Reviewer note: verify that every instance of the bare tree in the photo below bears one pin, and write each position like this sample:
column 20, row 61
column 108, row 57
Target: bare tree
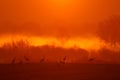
column 109, row 30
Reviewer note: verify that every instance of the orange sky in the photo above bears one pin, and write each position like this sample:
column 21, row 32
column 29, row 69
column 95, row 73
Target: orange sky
column 40, row 10
column 55, row 18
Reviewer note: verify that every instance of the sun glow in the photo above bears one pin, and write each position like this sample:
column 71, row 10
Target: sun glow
column 61, row 2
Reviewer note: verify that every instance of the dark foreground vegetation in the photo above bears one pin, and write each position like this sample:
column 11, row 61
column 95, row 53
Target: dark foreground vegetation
column 22, row 52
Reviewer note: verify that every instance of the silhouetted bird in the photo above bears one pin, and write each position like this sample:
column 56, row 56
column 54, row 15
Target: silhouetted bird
column 42, row 60
column 20, row 62
column 91, row 59
column 63, row 61
column 13, row 60
column 26, row 59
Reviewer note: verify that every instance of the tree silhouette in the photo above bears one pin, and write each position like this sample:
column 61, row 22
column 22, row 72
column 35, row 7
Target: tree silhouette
column 109, row 30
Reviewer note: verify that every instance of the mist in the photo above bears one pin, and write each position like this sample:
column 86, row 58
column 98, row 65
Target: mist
column 50, row 18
